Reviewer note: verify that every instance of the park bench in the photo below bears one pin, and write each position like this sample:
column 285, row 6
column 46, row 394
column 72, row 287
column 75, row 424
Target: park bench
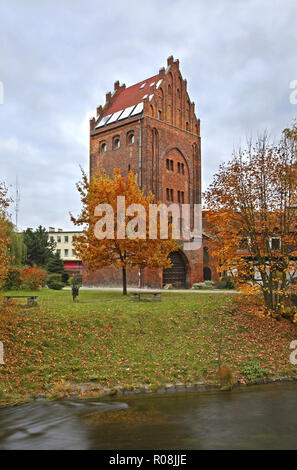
column 154, row 296
column 31, row 299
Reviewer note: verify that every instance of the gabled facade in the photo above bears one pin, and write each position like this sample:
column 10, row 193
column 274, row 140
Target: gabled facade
column 151, row 128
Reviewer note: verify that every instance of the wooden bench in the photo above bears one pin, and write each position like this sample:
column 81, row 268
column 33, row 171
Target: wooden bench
column 31, row 299
column 154, row 296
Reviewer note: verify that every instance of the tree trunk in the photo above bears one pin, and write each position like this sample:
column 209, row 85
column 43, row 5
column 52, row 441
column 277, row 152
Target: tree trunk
column 124, row 277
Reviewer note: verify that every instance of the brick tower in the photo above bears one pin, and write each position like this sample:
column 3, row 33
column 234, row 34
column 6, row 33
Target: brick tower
column 151, row 128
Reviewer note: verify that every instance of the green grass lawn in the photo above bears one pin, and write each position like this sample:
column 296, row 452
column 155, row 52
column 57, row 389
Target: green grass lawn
column 107, row 339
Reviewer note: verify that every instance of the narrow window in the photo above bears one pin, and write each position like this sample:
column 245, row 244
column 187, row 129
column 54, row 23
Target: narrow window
column 58, row 239
column 103, row 147
column 159, row 115
column 167, row 194
column 167, row 163
column 171, row 194
column 169, row 89
column 171, row 165
column 182, row 168
column 116, row 143
column 178, row 196
column 66, row 239
column 187, row 126
column 182, row 197
column 65, row 252
column 178, row 167
column 129, row 167
column 131, row 139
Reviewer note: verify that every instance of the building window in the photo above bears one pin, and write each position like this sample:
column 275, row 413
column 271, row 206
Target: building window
column 169, row 89
column 66, row 239
column 116, row 143
column 129, row 167
column 59, row 252
column 65, row 252
column 187, row 126
column 178, row 196
column 275, row 243
column 73, row 252
column 58, row 239
column 159, row 115
column 130, row 139
column 169, row 194
column 182, row 197
column 171, row 165
column 182, row 168
column 52, row 239
column 167, row 163
column 178, row 167
column 103, row 147
column 178, row 93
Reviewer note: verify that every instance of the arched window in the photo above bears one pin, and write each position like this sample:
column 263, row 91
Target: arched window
column 130, row 138
column 159, row 115
column 187, row 126
column 169, row 89
column 116, row 142
column 103, row 147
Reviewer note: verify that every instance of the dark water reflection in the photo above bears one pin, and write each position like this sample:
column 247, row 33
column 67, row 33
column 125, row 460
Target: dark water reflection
column 251, row 418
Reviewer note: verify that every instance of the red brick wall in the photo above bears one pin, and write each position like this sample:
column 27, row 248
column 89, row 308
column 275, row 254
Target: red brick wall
column 170, row 130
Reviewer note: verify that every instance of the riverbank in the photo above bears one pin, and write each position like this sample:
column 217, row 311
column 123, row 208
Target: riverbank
column 114, row 345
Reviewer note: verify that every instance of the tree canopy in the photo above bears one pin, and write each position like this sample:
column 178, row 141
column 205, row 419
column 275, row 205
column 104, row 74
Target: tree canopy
column 252, row 204
column 125, row 253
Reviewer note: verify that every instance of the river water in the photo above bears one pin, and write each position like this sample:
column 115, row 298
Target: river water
column 249, row 418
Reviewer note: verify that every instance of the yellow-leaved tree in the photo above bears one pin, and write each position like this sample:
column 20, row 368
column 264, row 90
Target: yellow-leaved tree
column 137, row 250
column 252, row 213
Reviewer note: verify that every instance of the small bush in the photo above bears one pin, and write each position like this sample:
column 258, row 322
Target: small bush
column 252, row 371
column 65, row 277
column 13, row 280
column 203, row 285
column 54, row 281
column 56, row 285
column 76, row 280
column 32, row 278
column 225, row 282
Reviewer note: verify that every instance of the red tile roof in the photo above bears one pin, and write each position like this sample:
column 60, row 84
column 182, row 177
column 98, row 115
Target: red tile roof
column 132, row 95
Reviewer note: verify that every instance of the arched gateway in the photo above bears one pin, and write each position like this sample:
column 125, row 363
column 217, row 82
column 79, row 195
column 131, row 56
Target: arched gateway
column 176, row 275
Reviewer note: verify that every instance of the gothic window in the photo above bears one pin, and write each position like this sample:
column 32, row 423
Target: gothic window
column 169, row 89
column 130, row 138
column 103, row 147
column 116, row 143
column 159, row 115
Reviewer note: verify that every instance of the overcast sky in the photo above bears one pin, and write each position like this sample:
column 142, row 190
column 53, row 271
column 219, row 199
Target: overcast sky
column 59, row 58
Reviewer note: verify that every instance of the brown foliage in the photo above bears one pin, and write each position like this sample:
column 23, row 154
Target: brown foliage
column 252, row 214
column 125, row 253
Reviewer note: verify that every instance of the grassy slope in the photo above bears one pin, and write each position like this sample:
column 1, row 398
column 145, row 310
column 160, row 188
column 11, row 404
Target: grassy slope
column 106, row 338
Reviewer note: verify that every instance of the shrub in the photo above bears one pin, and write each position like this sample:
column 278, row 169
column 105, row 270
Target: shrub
column 65, row 277
column 203, row 285
column 76, row 280
column 225, row 282
column 56, row 285
column 33, row 277
column 13, row 280
column 252, row 371
column 54, row 281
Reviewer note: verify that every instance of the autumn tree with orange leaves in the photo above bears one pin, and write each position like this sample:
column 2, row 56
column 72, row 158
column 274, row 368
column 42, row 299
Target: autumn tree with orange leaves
column 122, row 252
column 4, row 240
column 252, row 204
